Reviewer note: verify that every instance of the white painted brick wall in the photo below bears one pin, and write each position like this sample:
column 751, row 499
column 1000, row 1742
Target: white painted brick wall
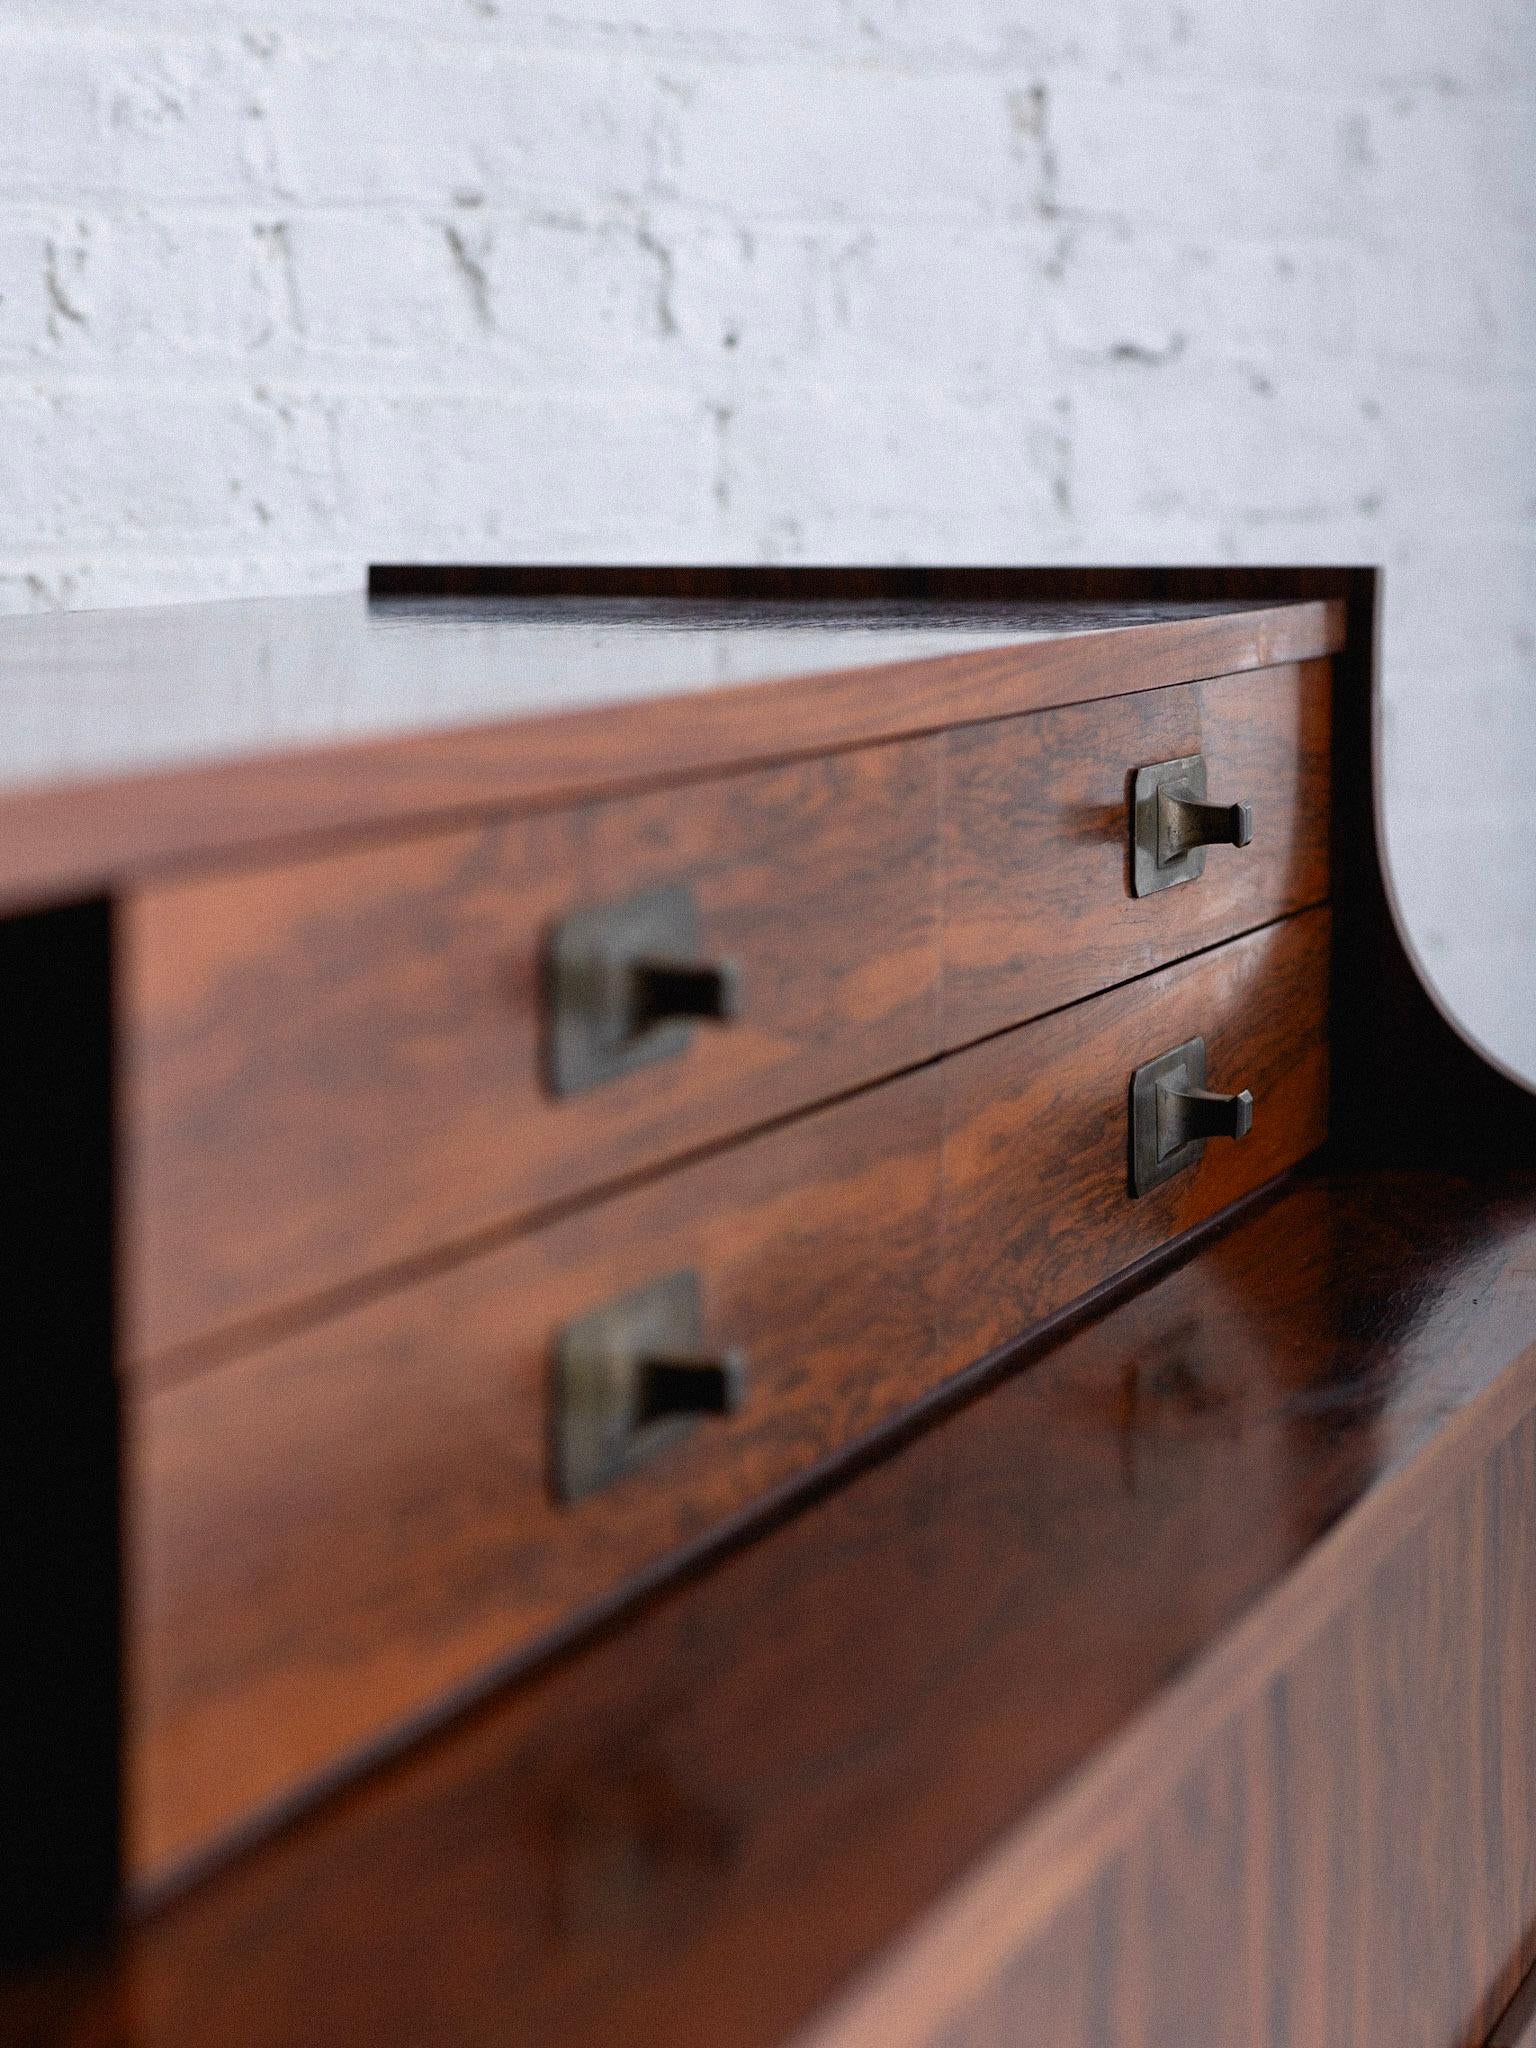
column 286, row 284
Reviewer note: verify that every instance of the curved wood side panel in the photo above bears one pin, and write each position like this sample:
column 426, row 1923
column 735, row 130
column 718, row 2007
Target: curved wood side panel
column 1409, row 1086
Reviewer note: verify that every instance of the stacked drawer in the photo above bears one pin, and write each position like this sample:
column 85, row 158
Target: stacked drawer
column 511, row 1209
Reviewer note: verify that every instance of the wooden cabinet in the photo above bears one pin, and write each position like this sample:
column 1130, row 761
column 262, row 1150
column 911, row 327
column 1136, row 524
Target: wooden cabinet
column 337, row 1064
column 1039, row 1235
column 344, row 1531
column 348, row 1157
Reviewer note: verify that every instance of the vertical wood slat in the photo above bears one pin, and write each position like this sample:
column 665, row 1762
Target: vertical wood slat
column 1343, row 1849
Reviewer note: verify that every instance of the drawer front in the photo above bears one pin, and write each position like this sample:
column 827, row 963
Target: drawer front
column 344, row 1529
column 1039, row 908
column 336, row 1065
column 1037, row 1207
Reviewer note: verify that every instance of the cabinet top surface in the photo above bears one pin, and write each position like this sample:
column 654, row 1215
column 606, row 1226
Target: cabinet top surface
column 139, row 740
column 95, row 694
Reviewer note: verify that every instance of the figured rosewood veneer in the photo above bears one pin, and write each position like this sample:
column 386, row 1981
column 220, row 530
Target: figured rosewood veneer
column 311, row 951
column 339, row 1534
column 336, row 1084
column 188, row 735
column 335, row 1333
column 334, row 1065
column 1038, row 910
column 1173, row 1691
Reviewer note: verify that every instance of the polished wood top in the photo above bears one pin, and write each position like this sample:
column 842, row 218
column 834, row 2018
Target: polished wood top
column 112, row 692
column 697, row 1829
column 137, row 739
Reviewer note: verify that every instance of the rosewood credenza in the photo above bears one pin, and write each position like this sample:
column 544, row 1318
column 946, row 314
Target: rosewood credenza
column 751, row 1305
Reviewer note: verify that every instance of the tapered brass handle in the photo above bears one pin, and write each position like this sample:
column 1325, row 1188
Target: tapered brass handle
column 690, row 1386
column 1187, row 1113
column 1173, row 821
column 625, row 984
column 633, row 1377
column 663, row 989
column 1173, row 1113
column 1185, row 821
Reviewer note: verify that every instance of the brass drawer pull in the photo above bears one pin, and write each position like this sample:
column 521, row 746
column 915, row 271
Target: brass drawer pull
column 632, row 1378
column 1172, row 824
column 689, row 1386
column 623, row 986
column 1184, row 1114
column 1173, row 1113
column 660, row 990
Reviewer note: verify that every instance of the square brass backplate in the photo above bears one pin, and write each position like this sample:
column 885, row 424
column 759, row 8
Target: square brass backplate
column 1183, row 1067
column 588, row 1031
column 596, row 1433
column 1187, row 775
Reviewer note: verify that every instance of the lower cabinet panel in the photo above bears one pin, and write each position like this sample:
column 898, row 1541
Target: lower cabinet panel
column 342, row 1533
column 1322, row 1839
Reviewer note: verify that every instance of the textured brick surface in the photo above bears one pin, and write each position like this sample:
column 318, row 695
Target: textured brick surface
column 288, row 283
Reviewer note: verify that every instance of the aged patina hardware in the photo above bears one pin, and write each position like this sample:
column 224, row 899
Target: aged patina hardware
column 1172, row 824
column 624, row 985
column 659, row 990
column 1173, row 1113
column 632, row 1378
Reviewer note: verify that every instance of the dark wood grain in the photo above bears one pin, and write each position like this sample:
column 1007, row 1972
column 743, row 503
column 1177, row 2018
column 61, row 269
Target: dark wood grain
column 1038, row 907
column 1517, row 2026
column 340, row 1057
column 333, row 1065
column 1035, row 1149
column 1327, row 1836
column 339, row 1533
column 106, row 827
column 769, row 588
column 1174, row 1690
column 1240, row 1749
